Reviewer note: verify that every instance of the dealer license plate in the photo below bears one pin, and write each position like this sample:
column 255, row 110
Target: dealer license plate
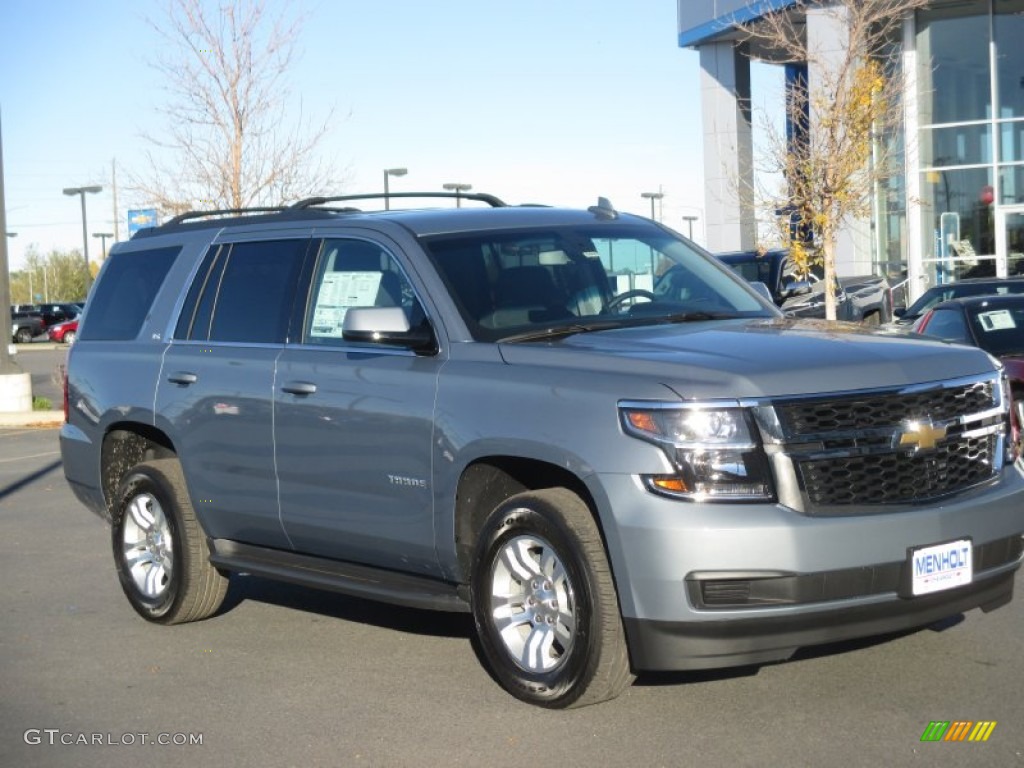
column 942, row 566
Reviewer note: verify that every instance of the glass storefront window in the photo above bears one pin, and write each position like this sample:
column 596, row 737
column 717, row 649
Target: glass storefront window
column 1011, row 184
column 957, row 145
column 953, row 74
column 1009, row 32
column 1011, row 140
column 958, row 207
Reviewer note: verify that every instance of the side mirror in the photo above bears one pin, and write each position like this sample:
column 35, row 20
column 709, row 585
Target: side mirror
column 387, row 325
column 791, row 288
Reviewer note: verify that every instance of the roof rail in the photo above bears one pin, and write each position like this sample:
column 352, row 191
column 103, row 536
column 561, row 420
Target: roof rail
column 482, row 197
column 222, row 212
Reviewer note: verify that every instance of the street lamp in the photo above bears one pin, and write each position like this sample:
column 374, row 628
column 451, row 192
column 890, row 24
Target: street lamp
column 387, row 191
column 103, row 241
column 689, row 220
column 458, row 189
column 85, row 231
column 652, row 196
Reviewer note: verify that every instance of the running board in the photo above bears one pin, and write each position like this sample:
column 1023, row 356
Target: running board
column 351, row 579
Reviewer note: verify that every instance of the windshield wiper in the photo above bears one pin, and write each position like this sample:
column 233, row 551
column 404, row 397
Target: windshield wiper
column 689, row 317
column 561, row 331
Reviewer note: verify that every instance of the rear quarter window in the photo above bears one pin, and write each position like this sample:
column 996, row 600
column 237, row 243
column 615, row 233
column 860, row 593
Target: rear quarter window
column 120, row 301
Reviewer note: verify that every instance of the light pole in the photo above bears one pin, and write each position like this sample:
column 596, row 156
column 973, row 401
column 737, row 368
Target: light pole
column 391, row 172
column 458, row 189
column 103, row 241
column 652, row 196
column 689, row 220
column 80, row 191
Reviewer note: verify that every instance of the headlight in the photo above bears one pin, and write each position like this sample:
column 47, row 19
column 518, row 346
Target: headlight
column 716, row 451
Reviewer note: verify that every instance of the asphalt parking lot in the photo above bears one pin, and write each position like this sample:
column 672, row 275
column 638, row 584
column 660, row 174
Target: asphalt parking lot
column 289, row 677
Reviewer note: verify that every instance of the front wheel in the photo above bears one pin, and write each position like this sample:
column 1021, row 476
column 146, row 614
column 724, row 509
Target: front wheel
column 69, row 337
column 160, row 551
column 545, row 605
column 23, row 336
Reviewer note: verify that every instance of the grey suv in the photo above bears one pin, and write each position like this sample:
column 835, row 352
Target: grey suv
column 574, row 424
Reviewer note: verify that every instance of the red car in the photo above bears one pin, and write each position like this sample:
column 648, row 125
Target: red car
column 63, row 332
column 994, row 323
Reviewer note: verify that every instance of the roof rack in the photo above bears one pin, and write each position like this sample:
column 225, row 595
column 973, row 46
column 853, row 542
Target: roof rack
column 482, row 197
column 223, row 212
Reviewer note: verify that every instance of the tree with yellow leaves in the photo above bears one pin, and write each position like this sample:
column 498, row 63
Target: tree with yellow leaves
column 844, row 119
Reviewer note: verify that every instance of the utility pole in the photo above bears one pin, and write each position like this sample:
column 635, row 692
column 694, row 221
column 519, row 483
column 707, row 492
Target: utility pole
column 113, row 185
column 7, row 365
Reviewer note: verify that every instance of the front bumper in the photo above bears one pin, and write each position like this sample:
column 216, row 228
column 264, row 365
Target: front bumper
column 664, row 645
column 808, row 580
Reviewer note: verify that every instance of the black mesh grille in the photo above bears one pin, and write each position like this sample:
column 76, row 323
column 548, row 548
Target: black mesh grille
column 898, row 477
column 884, row 410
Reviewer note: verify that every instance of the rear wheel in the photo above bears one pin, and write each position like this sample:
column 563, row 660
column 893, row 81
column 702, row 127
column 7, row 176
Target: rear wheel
column 23, row 336
column 545, row 605
column 160, row 550
column 69, row 337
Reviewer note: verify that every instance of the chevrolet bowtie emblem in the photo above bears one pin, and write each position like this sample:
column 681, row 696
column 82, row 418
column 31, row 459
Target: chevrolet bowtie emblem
column 920, row 435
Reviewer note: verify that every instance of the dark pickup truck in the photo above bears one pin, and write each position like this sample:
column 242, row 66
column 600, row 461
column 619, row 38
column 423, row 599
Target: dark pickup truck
column 858, row 299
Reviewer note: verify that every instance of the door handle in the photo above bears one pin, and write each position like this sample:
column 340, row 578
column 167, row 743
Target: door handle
column 299, row 388
column 183, row 377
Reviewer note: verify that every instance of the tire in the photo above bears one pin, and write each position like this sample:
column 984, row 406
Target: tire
column 161, row 554
column 69, row 337
column 23, row 336
column 544, row 602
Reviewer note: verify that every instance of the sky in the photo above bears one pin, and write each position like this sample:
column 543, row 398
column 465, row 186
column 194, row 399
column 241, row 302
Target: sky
column 537, row 101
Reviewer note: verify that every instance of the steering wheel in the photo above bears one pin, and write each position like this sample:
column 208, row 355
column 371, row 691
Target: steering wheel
column 614, row 301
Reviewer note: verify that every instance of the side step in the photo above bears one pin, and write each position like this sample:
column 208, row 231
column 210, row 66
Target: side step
column 351, row 579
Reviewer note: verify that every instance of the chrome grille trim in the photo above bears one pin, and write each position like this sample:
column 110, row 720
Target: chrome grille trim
column 956, row 433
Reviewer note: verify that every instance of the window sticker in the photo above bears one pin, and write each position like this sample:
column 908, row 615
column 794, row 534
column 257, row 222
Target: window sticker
column 340, row 291
column 996, row 320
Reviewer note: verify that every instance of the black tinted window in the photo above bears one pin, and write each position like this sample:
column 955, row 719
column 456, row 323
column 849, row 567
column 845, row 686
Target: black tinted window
column 251, row 296
column 120, row 301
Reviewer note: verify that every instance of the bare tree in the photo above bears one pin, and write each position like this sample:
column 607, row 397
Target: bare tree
column 232, row 137
column 845, row 119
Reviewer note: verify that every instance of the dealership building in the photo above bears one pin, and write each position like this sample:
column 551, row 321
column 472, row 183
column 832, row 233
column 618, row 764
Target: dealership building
column 957, row 209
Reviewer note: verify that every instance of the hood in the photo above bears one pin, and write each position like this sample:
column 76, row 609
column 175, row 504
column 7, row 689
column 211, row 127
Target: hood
column 758, row 358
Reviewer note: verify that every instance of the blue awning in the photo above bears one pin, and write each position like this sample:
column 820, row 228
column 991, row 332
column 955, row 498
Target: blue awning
column 714, row 28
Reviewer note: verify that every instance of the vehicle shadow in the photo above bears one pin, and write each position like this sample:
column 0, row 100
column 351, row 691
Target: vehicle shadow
column 415, row 621
column 336, row 605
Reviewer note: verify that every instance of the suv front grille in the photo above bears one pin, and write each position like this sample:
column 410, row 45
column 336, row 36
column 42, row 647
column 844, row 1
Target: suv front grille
column 885, row 410
column 893, row 478
column 896, row 447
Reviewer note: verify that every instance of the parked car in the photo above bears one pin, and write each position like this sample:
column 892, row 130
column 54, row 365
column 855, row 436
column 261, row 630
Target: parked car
column 25, row 326
column 864, row 299
column 994, row 323
column 968, row 287
column 64, row 332
column 451, row 408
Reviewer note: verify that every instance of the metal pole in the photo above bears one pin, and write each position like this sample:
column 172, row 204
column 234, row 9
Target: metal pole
column 85, row 244
column 7, row 365
column 387, row 206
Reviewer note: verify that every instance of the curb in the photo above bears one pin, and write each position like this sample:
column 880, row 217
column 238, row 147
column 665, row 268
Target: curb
column 32, row 419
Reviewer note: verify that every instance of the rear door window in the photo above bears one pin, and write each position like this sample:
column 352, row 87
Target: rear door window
column 244, row 292
column 121, row 300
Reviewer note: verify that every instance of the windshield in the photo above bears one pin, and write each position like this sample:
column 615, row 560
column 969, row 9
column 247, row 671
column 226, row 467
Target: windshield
column 514, row 284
